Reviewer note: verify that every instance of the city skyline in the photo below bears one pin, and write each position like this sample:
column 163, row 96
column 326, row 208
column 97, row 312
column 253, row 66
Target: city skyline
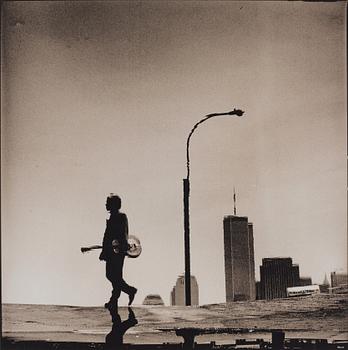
column 99, row 97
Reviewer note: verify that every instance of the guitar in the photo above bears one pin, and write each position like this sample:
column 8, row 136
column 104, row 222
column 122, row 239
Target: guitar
column 133, row 251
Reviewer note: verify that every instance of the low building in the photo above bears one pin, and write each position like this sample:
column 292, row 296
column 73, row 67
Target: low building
column 302, row 290
column 338, row 279
column 153, row 299
column 305, row 281
column 341, row 289
column 324, row 287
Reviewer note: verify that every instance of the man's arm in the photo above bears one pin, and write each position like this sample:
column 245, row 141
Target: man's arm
column 103, row 254
column 126, row 231
column 123, row 232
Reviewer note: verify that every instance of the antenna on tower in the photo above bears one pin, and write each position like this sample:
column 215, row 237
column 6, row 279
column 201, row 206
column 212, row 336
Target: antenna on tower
column 234, row 201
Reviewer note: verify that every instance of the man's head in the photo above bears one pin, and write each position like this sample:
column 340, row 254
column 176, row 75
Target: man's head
column 113, row 202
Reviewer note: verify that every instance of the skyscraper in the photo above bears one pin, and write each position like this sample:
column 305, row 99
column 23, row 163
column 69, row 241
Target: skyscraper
column 239, row 258
column 276, row 275
column 177, row 295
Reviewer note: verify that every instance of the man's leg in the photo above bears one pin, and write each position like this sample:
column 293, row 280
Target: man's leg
column 113, row 275
column 131, row 291
column 124, row 286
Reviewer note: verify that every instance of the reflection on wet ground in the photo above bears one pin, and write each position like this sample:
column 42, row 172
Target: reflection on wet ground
column 321, row 316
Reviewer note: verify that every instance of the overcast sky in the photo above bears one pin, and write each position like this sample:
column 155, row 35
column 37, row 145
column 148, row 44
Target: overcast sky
column 99, row 97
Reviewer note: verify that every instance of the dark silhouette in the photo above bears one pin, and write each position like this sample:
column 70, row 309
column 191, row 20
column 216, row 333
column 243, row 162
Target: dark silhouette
column 116, row 229
column 119, row 328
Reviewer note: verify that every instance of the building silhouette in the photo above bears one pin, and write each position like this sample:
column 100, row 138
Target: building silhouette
column 177, row 295
column 277, row 274
column 305, row 281
column 153, row 299
column 324, row 287
column 239, row 258
column 258, row 290
column 338, row 279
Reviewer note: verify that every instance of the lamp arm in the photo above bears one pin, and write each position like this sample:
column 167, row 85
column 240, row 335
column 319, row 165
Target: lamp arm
column 236, row 112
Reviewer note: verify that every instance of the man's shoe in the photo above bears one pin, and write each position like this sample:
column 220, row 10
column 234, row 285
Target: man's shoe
column 131, row 296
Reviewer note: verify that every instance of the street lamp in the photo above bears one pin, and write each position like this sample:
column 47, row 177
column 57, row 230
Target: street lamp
column 186, row 188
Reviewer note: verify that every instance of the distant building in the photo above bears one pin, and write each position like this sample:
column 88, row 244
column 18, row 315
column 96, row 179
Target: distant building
column 153, row 299
column 276, row 275
column 302, row 290
column 172, row 296
column 338, row 279
column 258, row 290
column 239, row 258
column 177, row 295
column 324, row 287
column 339, row 283
column 305, row 281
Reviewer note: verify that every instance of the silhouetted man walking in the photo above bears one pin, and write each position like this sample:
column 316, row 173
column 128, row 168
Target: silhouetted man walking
column 116, row 229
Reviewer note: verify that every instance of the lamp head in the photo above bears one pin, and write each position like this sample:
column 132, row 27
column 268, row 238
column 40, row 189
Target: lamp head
column 237, row 112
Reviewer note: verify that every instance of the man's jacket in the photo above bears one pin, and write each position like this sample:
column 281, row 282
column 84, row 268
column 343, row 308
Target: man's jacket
column 116, row 228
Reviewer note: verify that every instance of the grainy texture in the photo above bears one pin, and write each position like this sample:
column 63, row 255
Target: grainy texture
column 322, row 316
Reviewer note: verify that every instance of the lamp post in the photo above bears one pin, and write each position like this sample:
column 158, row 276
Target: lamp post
column 186, row 188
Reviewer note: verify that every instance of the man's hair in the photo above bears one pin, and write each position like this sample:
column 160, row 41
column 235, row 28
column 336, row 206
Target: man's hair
column 114, row 201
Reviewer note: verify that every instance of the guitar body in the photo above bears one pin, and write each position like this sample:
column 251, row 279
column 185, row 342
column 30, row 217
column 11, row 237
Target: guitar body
column 134, row 247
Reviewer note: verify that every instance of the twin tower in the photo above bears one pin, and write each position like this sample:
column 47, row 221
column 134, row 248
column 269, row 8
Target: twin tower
column 239, row 259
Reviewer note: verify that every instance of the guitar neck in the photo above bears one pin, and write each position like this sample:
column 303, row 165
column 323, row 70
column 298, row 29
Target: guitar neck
column 92, row 247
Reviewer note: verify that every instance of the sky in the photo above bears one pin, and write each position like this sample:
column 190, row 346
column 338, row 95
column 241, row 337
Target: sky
column 99, row 97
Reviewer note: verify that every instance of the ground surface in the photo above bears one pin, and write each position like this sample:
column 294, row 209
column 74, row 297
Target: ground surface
column 321, row 316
